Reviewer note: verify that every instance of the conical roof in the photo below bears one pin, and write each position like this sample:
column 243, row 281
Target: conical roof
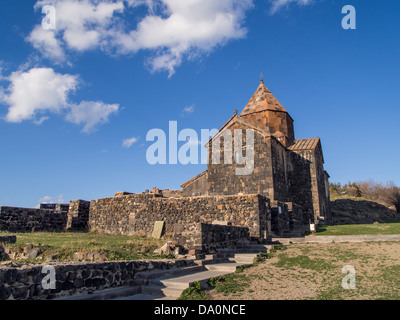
column 262, row 100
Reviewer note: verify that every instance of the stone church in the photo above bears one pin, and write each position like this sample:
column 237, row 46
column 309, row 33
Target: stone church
column 286, row 169
column 287, row 189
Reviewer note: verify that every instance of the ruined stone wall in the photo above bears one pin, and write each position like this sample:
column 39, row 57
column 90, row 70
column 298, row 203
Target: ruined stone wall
column 210, row 237
column 78, row 215
column 31, row 220
column 136, row 214
column 26, row 283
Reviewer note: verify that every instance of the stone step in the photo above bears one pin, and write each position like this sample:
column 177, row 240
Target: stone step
column 156, row 290
column 184, row 282
column 212, row 261
column 225, row 267
column 107, row 294
column 146, row 275
column 243, row 258
column 242, row 262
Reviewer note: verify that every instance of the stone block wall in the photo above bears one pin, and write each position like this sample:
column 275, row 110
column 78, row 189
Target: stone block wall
column 298, row 216
column 280, row 218
column 136, row 214
column 222, row 178
column 31, row 220
column 78, row 215
column 210, row 237
column 26, row 283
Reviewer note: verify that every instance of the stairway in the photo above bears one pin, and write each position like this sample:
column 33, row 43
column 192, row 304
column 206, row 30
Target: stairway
column 169, row 284
column 223, row 262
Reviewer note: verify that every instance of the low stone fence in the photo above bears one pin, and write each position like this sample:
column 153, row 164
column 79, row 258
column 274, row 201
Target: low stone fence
column 210, row 237
column 29, row 220
column 26, row 283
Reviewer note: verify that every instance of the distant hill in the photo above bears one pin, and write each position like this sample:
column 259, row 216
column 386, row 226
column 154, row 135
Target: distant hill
column 358, row 210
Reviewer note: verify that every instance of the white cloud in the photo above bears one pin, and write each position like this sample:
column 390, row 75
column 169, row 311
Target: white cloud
column 81, row 24
column 276, row 5
column 49, row 199
column 172, row 30
column 189, row 109
column 46, row 42
column 41, row 120
column 40, row 91
column 91, row 114
column 127, row 143
column 36, row 91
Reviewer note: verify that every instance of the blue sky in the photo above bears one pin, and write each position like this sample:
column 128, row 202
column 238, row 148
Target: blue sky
column 113, row 70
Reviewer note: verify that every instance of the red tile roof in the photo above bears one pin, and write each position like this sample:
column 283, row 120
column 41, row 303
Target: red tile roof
column 262, row 100
column 304, row 144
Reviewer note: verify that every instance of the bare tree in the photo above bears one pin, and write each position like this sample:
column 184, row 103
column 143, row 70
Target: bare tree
column 393, row 195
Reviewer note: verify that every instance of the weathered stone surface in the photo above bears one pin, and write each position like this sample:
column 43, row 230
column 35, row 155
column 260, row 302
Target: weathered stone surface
column 78, row 215
column 136, row 214
column 48, row 218
column 203, row 238
column 28, row 220
column 32, row 254
column 158, row 229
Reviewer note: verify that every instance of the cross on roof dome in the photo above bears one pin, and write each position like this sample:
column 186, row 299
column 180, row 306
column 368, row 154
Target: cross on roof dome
column 262, row 100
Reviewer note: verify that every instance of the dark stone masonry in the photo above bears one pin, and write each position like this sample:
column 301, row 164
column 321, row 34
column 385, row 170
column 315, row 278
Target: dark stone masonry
column 136, row 214
column 78, row 215
column 26, row 283
column 32, row 220
column 210, row 237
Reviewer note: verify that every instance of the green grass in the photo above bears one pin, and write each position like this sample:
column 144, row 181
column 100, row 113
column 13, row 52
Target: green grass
column 194, row 292
column 303, row 262
column 229, row 283
column 64, row 245
column 359, row 229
